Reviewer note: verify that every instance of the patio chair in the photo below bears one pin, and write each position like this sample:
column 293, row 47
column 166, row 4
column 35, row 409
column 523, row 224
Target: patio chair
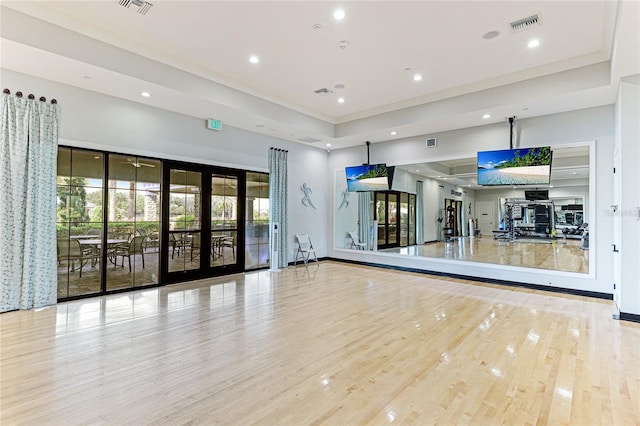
column 133, row 247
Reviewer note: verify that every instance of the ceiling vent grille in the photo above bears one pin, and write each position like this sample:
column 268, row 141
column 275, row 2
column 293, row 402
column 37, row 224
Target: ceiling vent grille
column 309, row 139
column 431, row 143
column 143, row 6
column 525, row 23
column 323, row 92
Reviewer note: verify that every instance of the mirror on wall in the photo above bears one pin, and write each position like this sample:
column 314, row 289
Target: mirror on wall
column 533, row 226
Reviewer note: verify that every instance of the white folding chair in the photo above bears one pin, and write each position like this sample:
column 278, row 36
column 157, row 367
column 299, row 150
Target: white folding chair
column 355, row 241
column 305, row 249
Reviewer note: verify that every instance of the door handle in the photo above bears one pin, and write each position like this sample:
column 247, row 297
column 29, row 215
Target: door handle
column 615, row 249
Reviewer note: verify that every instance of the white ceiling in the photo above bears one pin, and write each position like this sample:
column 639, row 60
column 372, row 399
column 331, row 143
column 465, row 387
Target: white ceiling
column 192, row 56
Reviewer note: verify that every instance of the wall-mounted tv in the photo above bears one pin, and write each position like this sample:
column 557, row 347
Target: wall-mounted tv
column 369, row 177
column 522, row 166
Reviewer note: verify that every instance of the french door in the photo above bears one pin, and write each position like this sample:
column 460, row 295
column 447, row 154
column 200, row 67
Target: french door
column 203, row 206
column 395, row 213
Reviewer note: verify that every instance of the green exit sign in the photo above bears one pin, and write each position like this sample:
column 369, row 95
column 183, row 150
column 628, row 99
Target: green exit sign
column 214, row 124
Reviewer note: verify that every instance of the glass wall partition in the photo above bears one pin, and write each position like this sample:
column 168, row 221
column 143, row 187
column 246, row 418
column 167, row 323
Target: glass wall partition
column 80, row 180
column 126, row 222
column 257, row 221
column 133, row 221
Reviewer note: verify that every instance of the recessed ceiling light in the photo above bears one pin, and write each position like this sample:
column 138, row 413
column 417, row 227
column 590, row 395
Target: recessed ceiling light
column 340, row 100
column 328, row 144
column 418, row 171
column 254, row 59
column 490, row 35
column 394, row 133
column 145, row 94
column 339, row 14
column 486, row 116
column 534, row 43
column 417, row 77
column 550, row 186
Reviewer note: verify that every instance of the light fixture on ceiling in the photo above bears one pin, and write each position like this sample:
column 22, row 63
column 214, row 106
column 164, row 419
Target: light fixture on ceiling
column 550, row 186
column 254, row 59
column 417, row 77
column 394, row 133
column 328, row 144
column 340, row 100
column 486, row 116
column 533, row 43
column 490, row 35
column 574, row 173
column 339, row 14
column 145, row 94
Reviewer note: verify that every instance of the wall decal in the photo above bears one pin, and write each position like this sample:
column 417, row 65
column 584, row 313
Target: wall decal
column 345, row 200
column 306, row 199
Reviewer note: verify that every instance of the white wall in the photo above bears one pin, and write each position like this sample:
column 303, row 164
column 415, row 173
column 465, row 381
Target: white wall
column 92, row 120
column 570, row 128
column 628, row 141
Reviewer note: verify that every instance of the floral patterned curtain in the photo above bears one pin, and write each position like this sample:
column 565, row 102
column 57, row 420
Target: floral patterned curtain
column 278, row 203
column 28, row 163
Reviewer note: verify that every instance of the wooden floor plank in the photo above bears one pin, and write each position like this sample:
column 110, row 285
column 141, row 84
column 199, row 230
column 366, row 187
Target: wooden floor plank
column 332, row 344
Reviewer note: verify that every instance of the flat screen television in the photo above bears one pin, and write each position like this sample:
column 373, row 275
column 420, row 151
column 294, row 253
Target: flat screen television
column 369, row 177
column 522, row 166
column 536, row 195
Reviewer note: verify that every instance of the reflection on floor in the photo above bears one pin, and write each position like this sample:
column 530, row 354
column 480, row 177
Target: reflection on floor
column 333, row 344
column 559, row 255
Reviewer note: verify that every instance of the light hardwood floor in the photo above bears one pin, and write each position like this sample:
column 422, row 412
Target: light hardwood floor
column 333, row 344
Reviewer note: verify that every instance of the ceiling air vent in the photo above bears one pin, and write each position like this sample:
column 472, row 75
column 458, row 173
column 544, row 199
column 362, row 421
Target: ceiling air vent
column 525, row 23
column 431, row 143
column 143, row 6
column 324, row 91
column 309, row 139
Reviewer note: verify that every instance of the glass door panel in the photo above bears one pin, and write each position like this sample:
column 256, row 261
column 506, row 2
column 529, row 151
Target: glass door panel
column 185, row 220
column 381, row 216
column 224, row 220
column 133, row 222
column 79, row 192
column 392, row 214
column 404, row 219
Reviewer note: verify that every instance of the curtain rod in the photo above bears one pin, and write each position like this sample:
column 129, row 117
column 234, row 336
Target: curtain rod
column 278, row 149
column 19, row 95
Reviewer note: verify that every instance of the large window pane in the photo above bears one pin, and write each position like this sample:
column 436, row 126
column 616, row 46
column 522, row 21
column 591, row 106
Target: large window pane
column 185, row 212
column 132, row 245
column 79, row 221
column 224, row 220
